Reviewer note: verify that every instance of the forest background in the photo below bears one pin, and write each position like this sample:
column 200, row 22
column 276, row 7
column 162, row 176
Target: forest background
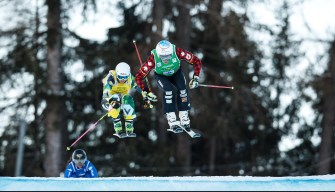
column 50, row 84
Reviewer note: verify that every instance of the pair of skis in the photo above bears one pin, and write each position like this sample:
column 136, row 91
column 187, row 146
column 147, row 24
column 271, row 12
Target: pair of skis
column 124, row 135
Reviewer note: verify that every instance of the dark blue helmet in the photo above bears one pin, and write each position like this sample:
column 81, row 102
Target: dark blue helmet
column 79, row 156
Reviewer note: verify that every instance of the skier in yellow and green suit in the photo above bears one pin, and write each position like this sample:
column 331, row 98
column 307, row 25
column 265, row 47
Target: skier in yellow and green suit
column 116, row 99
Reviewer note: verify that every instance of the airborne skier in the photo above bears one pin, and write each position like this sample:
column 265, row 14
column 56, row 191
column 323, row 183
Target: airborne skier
column 165, row 59
column 116, row 99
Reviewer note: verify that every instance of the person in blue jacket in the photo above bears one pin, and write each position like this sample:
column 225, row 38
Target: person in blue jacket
column 80, row 166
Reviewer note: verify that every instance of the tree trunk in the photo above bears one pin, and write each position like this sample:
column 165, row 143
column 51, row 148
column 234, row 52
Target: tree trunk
column 158, row 15
column 183, row 31
column 54, row 119
column 213, row 21
column 328, row 122
column 212, row 155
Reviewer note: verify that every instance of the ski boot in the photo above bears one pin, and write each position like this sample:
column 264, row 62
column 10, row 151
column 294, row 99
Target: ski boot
column 173, row 123
column 130, row 128
column 118, row 129
column 184, row 120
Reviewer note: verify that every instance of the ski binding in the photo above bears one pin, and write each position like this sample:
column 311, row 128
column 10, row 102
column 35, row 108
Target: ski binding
column 190, row 132
column 176, row 130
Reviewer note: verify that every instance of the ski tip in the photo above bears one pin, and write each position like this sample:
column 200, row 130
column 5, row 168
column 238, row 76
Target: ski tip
column 134, row 41
column 232, row 87
column 120, row 136
column 67, row 148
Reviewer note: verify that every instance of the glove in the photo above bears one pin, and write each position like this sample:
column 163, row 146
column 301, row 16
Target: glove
column 149, row 96
column 110, row 103
column 114, row 102
column 194, row 83
column 147, row 104
column 114, row 105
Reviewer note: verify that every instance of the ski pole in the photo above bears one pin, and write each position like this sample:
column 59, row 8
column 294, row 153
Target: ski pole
column 217, row 86
column 91, row 128
column 148, row 103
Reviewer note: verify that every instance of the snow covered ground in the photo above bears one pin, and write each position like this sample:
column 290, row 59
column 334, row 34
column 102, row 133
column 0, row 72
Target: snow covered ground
column 218, row 183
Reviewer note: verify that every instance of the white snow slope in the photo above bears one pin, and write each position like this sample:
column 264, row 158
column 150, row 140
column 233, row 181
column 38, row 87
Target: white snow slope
column 199, row 183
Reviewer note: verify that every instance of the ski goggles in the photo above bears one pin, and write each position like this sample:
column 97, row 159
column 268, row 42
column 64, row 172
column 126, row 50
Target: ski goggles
column 79, row 161
column 165, row 57
column 122, row 77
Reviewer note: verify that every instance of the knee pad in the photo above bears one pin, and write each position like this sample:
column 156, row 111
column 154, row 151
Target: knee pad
column 128, row 107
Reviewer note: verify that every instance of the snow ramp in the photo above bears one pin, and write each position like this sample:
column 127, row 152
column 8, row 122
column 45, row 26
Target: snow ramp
column 198, row 183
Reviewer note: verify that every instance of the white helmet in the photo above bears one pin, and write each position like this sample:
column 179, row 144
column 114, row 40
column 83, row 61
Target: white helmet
column 164, row 47
column 122, row 71
column 164, row 50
